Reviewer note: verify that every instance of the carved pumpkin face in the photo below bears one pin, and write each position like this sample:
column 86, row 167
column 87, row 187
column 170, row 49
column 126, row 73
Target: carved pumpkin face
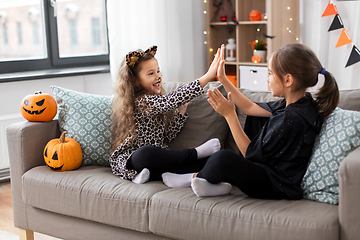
column 256, row 59
column 40, row 107
column 255, row 15
column 63, row 154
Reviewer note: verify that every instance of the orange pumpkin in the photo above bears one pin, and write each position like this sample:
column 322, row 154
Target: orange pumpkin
column 255, row 15
column 63, row 154
column 39, row 107
column 256, row 59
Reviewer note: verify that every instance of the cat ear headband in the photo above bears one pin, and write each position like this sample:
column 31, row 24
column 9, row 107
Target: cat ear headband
column 134, row 56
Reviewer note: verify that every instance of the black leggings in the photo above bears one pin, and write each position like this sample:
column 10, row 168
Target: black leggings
column 159, row 160
column 249, row 177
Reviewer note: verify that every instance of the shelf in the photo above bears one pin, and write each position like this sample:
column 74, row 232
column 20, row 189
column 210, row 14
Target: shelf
column 245, row 31
column 238, row 23
column 246, row 63
column 222, row 23
column 253, row 64
column 230, row 63
column 252, row 22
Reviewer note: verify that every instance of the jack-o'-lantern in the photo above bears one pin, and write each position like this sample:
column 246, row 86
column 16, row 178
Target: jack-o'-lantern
column 63, row 154
column 38, row 107
column 255, row 15
column 256, row 59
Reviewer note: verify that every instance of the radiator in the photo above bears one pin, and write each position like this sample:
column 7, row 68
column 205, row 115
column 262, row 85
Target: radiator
column 5, row 121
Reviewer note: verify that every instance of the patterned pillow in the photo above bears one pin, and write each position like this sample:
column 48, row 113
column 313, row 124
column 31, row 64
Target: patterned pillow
column 340, row 135
column 86, row 117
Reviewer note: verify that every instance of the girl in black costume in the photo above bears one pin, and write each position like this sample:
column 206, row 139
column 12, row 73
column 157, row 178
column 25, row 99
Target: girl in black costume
column 276, row 158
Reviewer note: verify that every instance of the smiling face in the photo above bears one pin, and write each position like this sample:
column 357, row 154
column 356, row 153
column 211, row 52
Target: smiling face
column 39, row 107
column 63, row 154
column 52, row 160
column 149, row 77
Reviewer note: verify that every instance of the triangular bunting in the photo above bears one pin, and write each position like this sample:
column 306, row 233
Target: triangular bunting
column 336, row 24
column 330, row 10
column 344, row 38
column 354, row 56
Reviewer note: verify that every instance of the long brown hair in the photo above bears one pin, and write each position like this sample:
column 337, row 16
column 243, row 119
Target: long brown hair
column 301, row 62
column 126, row 89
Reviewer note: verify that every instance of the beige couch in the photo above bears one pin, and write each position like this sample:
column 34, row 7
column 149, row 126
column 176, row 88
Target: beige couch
column 92, row 203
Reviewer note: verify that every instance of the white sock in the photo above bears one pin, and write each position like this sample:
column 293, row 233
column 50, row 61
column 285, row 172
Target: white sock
column 202, row 188
column 174, row 180
column 208, row 148
column 142, row 177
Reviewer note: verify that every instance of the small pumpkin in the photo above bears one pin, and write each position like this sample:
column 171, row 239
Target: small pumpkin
column 63, row 154
column 255, row 15
column 38, row 107
column 256, row 59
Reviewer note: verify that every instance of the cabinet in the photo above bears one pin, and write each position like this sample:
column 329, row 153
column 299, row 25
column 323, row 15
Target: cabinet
column 230, row 19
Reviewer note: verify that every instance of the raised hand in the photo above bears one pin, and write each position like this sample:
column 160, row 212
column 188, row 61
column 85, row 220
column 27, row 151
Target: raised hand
column 221, row 105
column 214, row 64
column 211, row 73
column 221, row 67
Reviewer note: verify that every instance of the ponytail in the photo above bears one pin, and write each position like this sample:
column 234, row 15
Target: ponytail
column 301, row 62
column 327, row 98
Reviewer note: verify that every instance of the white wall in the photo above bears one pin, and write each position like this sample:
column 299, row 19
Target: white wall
column 314, row 33
column 12, row 93
column 176, row 27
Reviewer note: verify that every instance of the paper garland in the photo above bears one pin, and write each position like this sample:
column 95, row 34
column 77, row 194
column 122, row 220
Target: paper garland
column 344, row 38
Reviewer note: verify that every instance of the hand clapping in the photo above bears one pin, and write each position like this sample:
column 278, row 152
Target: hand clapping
column 221, row 105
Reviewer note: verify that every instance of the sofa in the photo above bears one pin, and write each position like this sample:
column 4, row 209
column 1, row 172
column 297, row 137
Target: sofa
column 92, row 203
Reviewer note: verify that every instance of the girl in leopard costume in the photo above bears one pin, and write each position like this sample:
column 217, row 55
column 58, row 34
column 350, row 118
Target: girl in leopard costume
column 145, row 119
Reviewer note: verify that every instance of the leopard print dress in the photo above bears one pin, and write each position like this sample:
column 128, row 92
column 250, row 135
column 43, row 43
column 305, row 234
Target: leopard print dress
column 150, row 126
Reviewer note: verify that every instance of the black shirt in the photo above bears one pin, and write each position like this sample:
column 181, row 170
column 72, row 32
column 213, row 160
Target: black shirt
column 283, row 145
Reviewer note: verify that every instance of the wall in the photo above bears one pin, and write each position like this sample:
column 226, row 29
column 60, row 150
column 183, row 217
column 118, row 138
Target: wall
column 176, row 27
column 12, row 93
column 314, row 33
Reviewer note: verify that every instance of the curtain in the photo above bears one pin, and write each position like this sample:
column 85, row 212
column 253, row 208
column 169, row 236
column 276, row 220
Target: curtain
column 314, row 33
column 175, row 26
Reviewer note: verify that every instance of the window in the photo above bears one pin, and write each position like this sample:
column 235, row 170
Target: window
column 5, row 34
column 96, row 32
column 19, row 33
column 73, row 32
column 35, row 33
column 52, row 34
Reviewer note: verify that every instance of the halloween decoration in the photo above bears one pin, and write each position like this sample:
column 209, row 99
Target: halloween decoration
column 255, row 15
column 259, row 47
column 134, row 56
column 230, row 48
column 39, row 107
column 256, row 58
column 63, row 154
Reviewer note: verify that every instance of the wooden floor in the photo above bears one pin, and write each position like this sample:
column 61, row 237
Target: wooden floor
column 6, row 216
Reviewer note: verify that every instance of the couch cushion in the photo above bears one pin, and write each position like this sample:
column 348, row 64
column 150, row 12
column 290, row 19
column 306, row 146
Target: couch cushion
column 92, row 193
column 86, row 117
column 350, row 99
column 179, row 214
column 340, row 135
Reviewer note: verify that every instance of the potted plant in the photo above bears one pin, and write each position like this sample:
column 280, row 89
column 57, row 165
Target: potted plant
column 259, row 48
